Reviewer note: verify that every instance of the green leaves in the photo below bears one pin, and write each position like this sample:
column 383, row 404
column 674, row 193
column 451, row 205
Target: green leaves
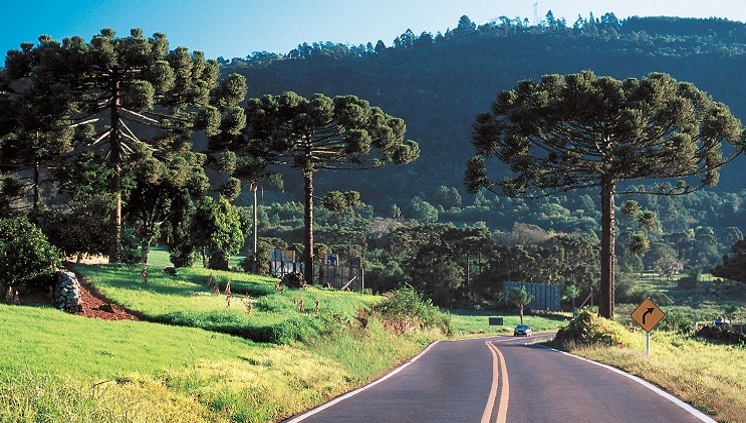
column 338, row 201
column 568, row 132
column 326, row 133
column 25, row 252
column 139, row 97
column 475, row 176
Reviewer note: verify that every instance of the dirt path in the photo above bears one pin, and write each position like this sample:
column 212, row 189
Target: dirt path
column 96, row 305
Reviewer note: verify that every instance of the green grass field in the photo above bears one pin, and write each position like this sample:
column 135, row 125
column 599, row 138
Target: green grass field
column 476, row 323
column 187, row 300
column 194, row 368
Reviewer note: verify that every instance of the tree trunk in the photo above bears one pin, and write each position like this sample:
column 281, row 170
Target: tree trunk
column 254, row 188
column 115, row 139
column 147, row 247
column 468, row 270
column 608, row 253
column 37, row 195
column 308, row 220
column 521, row 312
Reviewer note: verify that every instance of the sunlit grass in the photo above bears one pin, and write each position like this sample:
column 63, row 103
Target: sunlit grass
column 139, row 371
column 129, row 371
column 132, row 371
column 186, row 299
column 470, row 323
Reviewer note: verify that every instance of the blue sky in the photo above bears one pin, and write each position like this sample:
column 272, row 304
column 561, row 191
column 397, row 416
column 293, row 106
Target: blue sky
column 235, row 28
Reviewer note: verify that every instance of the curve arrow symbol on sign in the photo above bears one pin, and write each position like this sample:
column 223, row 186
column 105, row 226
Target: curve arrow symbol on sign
column 650, row 310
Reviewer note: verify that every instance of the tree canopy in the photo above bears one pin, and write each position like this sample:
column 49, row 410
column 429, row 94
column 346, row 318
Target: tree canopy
column 733, row 266
column 322, row 133
column 119, row 94
column 581, row 131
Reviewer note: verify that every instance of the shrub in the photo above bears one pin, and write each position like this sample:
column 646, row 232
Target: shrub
column 676, row 320
column 406, row 309
column 586, row 328
column 131, row 251
column 78, row 233
column 181, row 256
column 25, row 253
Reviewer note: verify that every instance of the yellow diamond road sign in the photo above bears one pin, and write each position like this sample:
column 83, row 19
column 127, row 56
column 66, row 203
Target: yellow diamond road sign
column 648, row 315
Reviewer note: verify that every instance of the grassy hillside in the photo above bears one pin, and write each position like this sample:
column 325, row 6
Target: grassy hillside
column 56, row 366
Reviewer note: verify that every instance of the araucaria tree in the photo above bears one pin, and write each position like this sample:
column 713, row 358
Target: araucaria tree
column 123, row 93
column 322, row 133
column 581, row 131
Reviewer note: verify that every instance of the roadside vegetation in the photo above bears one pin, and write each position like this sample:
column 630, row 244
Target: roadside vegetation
column 706, row 374
column 62, row 367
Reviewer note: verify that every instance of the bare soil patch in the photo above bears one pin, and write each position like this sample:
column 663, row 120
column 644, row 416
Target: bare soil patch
column 97, row 305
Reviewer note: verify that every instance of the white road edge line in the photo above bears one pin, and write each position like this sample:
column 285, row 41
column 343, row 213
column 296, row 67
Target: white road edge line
column 691, row 410
column 361, row 389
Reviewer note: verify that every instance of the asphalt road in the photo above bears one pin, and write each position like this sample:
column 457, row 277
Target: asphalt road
column 503, row 379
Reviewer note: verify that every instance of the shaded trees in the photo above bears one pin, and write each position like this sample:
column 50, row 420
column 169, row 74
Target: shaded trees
column 440, row 260
column 253, row 170
column 35, row 131
column 123, row 92
column 160, row 189
column 217, row 231
column 733, row 266
column 581, row 131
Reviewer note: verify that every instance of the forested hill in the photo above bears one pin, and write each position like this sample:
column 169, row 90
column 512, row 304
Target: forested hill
column 438, row 82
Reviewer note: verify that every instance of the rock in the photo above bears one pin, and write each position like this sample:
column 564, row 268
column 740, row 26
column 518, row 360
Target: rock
column 66, row 294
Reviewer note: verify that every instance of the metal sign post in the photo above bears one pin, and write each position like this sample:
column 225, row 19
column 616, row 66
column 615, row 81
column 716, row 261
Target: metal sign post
column 647, row 315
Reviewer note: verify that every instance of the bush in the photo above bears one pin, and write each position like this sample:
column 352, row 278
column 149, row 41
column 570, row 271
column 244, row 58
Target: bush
column 405, row 310
column 131, row 251
column 78, row 233
column 25, row 253
column 676, row 320
column 586, row 328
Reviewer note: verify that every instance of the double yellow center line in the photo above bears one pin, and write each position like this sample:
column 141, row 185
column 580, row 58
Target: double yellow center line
column 499, row 372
